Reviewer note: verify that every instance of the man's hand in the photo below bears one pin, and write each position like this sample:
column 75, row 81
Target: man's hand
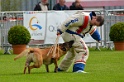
column 58, row 33
column 99, row 41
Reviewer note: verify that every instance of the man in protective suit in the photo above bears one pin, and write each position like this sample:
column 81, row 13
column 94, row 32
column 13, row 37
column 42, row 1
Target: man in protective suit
column 75, row 28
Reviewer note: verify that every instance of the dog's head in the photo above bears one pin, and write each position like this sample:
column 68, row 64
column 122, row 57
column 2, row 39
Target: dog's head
column 66, row 46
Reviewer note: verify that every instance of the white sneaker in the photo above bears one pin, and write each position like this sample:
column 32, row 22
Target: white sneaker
column 80, row 71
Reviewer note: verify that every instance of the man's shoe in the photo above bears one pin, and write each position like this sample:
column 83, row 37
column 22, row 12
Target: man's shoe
column 80, row 71
column 59, row 70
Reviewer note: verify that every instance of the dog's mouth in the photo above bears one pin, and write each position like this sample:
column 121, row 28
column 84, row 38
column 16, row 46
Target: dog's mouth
column 31, row 51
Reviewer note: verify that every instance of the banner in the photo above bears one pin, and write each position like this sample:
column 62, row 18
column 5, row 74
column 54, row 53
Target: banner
column 43, row 26
column 54, row 20
column 35, row 22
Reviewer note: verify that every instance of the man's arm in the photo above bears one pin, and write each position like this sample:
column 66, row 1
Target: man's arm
column 73, row 21
column 95, row 34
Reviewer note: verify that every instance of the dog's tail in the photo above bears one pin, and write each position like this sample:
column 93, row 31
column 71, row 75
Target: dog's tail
column 23, row 53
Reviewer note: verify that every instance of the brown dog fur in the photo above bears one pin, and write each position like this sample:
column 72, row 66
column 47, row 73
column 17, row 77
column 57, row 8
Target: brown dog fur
column 40, row 56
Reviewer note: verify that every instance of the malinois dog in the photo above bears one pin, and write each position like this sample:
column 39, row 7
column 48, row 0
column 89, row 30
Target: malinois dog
column 40, row 56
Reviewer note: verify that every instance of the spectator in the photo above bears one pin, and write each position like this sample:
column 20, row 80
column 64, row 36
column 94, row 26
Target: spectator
column 60, row 6
column 76, row 5
column 42, row 6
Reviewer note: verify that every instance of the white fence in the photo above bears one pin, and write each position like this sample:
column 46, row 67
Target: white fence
column 43, row 25
column 48, row 21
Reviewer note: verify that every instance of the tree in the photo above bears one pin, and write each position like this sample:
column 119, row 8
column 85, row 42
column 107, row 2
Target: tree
column 10, row 5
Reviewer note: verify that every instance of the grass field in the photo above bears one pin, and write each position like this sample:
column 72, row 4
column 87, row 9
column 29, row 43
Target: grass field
column 102, row 66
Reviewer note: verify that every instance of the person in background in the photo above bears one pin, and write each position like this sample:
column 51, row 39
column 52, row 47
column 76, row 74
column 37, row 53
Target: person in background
column 76, row 5
column 60, row 6
column 42, row 6
column 75, row 28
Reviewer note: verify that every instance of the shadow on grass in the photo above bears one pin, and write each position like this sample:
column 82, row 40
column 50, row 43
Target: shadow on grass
column 35, row 73
column 14, row 74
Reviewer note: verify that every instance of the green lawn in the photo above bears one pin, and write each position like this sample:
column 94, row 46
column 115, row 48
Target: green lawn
column 102, row 66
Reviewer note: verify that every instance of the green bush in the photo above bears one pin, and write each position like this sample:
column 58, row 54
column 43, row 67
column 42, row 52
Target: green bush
column 117, row 32
column 18, row 35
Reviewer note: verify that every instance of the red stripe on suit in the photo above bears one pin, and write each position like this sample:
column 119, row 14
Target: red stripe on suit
column 86, row 18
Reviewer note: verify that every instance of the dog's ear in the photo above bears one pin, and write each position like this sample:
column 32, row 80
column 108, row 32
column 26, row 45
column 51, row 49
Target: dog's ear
column 64, row 44
column 71, row 43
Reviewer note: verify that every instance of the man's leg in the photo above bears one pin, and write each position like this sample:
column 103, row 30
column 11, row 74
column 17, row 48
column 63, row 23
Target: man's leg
column 67, row 61
column 81, row 55
column 69, row 57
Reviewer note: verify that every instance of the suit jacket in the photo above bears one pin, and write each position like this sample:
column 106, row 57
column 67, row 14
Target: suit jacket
column 77, row 24
column 38, row 7
column 58, row 7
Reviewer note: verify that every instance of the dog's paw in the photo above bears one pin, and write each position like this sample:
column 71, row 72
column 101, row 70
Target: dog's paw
column 59, row 70
column 14, row 59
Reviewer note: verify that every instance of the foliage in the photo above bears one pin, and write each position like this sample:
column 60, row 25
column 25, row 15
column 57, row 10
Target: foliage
column 117, row 32
column 18, row 35
column 10, row 5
